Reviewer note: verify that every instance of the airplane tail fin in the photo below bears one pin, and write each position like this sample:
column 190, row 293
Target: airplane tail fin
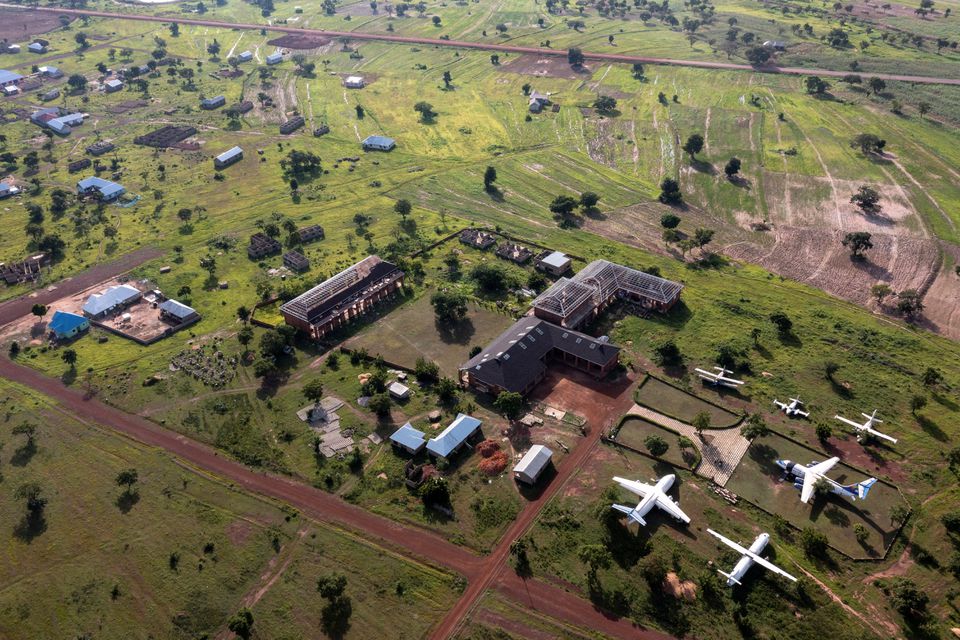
column 728, row 576
column 630, row 513
column 863, row 488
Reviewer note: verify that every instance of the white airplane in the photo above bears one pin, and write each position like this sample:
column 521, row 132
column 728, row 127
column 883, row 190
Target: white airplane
column 718, row 377
column 650, row 496
column 793, row 408
column 807, row 477
column 867, row 427
column 749, row 557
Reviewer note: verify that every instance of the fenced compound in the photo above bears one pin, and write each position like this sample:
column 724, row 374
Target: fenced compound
column 166, row 136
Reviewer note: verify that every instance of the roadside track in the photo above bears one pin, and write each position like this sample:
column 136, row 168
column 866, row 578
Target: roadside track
column 483, row 46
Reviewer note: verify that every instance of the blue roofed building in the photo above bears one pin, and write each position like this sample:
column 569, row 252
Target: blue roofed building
column 113, row 85
column 37, row 47
column 213, row 103
column 246, row 56
column 451, row 439
column 65, row 326
column 11, row 78
column 409, row 439
column 8, row 189
column 50, row 72
column 113, row 299
column 378, row 143
column 228, row 157
column 275, row 58
column 104, row 189
column 177, row 312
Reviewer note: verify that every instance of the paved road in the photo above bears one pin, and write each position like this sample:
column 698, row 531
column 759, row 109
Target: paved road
column 483, row 46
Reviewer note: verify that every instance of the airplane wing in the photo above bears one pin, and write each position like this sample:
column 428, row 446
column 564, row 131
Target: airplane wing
column 874, row 432
column 855, row 425
column 668, row 505
column 813, row 474
column 731, row 380
column 805, row 414
column 706, row 374
column 821, row 468
column 782, row 405
column 730, row 543
column 769, row 566
column 639, row 488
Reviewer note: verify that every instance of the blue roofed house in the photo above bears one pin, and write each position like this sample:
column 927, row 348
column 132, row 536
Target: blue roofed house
column 37, row 47
column 213, row 103
column 451, row 439
column 9, row 78
column 228, row 157
column 177, row 312
column 378, row 143
column 275, row 58
column 409, row 439
column 50, row 72
column 66, row 325
column 113, row 299
column 246, row 56
column 112, row 85
column 8, row 189
column 104, row 189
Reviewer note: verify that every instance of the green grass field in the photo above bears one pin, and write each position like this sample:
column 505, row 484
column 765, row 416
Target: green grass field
column 101, row 562
column 633, row 432
column 682, row 405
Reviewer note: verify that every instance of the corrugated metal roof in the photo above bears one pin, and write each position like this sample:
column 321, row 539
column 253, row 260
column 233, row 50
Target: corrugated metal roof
column 534, row 461
column 64, row 322
column 100, row 302
column 379, row 141
column 229, row 154
column 407, row 436
column 7, row 77
column 177, row 309
column 105, row 188
column 453, row 436
column 556, row 259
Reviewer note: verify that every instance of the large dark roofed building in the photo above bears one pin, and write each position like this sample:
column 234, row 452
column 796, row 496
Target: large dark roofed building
column 517, row 360
column 340, row 299
column 570, row 302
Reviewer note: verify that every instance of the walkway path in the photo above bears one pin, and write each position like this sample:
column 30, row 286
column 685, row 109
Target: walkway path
column 483, row 46
column 720, row 449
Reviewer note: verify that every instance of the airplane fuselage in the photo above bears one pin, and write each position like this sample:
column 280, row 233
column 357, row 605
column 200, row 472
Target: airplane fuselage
column 743, row 565
column 663, row 485
column 799, row 472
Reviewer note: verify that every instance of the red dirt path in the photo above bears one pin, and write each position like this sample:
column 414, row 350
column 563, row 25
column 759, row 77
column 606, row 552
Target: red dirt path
column 462, row 44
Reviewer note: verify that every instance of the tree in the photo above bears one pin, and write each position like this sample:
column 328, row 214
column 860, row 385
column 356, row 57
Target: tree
column 876, row 85
column 596, row 557
column 669, row 221
column 857, row 242
column 426, row 371
column 360, row 112
column 563, row 205
column 757, row 55
column 494, row 59
column 667, row 354
column 174, row 29
column 909, row 302
column 755, row 334
column 313, row 390
column 589, row 200
column 509, row 403
column 637, row 71
column 241, row 623
column 77, row 81
column 425, row 109
column 860, row 533
column 813, row 542
column 26, row 429
column 868, row 143
column 700, row 422
column 656, row 445
column 245, row 336
column 81, row 39
column 39, row 310
column 449, row 306
column 492, row 277
column 127, row 478
column 867, row 199
column 70, row 357
column 403, row 207
column 908, row 599
column 446, row 390
column 447, row 79
column 702, row 237
column 435, row 492
column 213, row 48
column 575, row 57
column 243, row 314
column 32, row 495
column 379, row 404
column 436, row 21
column 917, row 402
column 816, row 85
column 880, row 292
column 732, row 168
column 693, row 145
column 670, row 192
column 299, row 164
column 823, row 432
column 931, row 377
column 489, row 177
column 782, row 322
column 755, row 427
column 605, row 105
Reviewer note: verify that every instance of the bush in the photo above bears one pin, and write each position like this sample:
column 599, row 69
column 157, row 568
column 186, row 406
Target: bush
column 813, row 542
column 656, row 445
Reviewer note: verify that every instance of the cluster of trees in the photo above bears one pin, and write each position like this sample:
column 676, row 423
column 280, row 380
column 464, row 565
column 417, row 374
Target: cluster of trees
column 301, row 164
column 563, row 206
column 909, row 302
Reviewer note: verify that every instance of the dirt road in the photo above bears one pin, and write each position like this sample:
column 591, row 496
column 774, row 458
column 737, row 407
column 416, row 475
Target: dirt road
column 483, row 46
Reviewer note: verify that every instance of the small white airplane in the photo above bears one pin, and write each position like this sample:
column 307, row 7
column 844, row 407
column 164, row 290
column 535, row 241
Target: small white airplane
column 867, row 427
column 650, row 496
column 718, row 377
column 807, row 477
column 749, row 557
column 792, row 408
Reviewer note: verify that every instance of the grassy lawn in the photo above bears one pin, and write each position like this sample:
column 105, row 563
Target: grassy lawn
column 682, row 405
column 634, row 431
column 102, row 562
column 757, row 479
column 412, row 332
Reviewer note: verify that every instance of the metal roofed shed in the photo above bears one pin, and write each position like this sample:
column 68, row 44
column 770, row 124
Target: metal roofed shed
column 449, row 441
column 275, row 58
column 354, row 82
column 378, row 143
column 557, row 263
column 532, row 464
column 113, row 85
column 213, row 103
column 7, row 189
column 177, row 312
column 9, row 77
column 399, row 391
column 104, row 189
column 246, row 56
column 113, row 299
column 66, row 325
column 228, row 157
column 409, row 439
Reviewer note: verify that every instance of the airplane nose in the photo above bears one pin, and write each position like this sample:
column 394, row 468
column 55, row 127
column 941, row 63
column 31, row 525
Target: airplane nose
column 783, row 464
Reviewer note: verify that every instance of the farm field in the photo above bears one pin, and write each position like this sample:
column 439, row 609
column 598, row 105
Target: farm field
column 776, row 249
column 179, row 553
column 677, row 403
column 413, row 332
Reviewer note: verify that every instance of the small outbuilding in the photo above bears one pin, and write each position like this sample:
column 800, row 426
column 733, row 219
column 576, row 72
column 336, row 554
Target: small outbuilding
column 556, row 263
column 454, row 437
column 533, row 463
column 53, row 94
column 275, row 58
column 378, row 143
column 213, row 103
column 246, row 56
column 112, row 86
column 50, row 72
column 409, row 439
column 65, row 326
column 105, row 190
column 227, row 158
column 177, row 312
column 399, row 391
column 37, row 47
column 354, row 82
column 7, row 189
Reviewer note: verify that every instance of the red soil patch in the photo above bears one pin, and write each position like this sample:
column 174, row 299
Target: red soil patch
column 18, row 25
column 299, row 42
column 238, row 532
column 544, row 66
column 853, row 453
column 494, row 460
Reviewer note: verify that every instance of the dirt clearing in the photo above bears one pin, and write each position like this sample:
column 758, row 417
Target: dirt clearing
column 553, row 67
column 19, row 25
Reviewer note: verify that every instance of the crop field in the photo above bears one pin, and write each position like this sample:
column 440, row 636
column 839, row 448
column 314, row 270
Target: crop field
column 179, row 553
column 634, row 431
column 759, row 480
column 413, row 332
column 682, row 405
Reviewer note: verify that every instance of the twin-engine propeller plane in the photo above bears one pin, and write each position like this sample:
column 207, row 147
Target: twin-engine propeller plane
column 866, row 428
column 748, row 558
column 718, row 378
